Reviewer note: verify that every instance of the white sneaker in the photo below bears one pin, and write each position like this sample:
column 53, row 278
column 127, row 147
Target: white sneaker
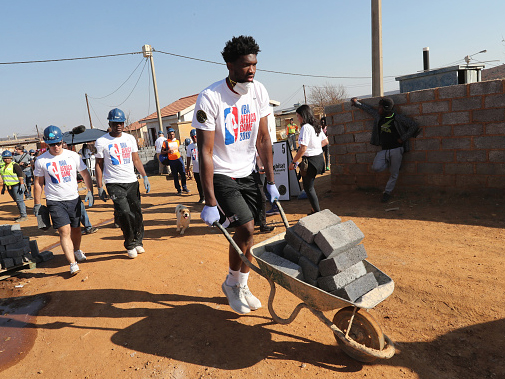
column 236, row 298
column 252, row 300
column 140, row 249
column 74, row 268
column 132, row 253
column 79, row 255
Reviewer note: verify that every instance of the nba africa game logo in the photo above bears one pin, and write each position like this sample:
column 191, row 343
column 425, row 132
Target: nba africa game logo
column 238, row 130
column 119, row 153
column 230, row 125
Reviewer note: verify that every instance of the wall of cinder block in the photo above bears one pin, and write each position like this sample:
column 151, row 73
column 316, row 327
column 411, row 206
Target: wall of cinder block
column 462, row 146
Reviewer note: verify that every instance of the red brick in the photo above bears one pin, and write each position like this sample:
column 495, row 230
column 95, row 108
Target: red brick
column 440, row 156
column 453, row 118
column 458, row 168
column 435, row 107
column 488, row 115
column 471, row 156
column 468, row 130
column 456, row 143
column 467, row 103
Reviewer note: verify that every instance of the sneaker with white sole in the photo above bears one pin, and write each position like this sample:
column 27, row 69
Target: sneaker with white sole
column 132, row 253
column 79, row 255
column 252, row 300
column 140, row 249
column 74, row 268
column 236, row 298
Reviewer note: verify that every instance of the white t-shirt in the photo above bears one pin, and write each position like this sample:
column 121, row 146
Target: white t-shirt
column 192, row 151
column 60, row 174
column 309, row 138
column 117, row 154
column 235, row 120
column 159, row 143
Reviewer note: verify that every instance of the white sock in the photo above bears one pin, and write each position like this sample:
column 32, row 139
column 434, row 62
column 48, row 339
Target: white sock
column 233, row 278
column 242, row 278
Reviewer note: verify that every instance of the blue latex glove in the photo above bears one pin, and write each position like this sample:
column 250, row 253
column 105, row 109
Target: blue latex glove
column 147, row 185
column 22, row 188
column 274, row 193
column 102, row 194
column 36, row 209
column 89, row 199
column 209, row 215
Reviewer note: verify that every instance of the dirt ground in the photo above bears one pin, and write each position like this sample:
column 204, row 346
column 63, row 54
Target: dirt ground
column 163, row 315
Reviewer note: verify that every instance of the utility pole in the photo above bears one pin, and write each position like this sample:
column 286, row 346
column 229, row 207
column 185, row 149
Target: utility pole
column 304, row 95
column 38, row 134
column 148, row 53
column 89, row 114
column 377, row 78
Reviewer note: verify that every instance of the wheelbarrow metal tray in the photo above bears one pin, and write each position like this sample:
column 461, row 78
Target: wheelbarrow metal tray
column 316, row 297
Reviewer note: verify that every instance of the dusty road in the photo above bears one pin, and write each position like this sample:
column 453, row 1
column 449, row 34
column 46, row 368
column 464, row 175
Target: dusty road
column 162, row 315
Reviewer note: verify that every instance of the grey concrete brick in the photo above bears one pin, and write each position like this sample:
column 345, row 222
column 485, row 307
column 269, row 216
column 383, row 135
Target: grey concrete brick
column 311, row 282
column 7, row 263
column 311, row 252
column 291, row 254
column 331, row 283
column 338, row 238
column 283, row 265
column 18, row 261
column 15, row 227
column 357, row 288
column 309, row 269
column 309, row 226
column 276, row 247
column 34, row 248
column 12, row 238
column 46, row 255
column 13, row 253
column 293, row 239
column 342, row 261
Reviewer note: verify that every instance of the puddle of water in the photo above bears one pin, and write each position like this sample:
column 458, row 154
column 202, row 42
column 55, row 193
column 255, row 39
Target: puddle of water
column 18, row 328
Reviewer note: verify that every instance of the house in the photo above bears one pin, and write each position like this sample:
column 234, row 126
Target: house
column 177, row 115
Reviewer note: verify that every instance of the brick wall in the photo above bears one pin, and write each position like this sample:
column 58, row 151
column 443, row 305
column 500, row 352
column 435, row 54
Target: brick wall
column 462, row 145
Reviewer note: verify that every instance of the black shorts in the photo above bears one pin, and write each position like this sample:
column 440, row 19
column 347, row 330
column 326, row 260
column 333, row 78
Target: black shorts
column 239, row 198
column 65, row 212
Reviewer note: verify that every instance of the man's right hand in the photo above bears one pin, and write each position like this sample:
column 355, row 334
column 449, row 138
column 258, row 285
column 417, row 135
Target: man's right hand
column 354, row 100
column 210, row 215
column 36, row 209
column 102, row 194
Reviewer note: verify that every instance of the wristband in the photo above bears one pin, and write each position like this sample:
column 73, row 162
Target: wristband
column 270, row 182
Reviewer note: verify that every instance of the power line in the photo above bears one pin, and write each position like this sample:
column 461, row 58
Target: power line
column 133, row 87
column 71, row 59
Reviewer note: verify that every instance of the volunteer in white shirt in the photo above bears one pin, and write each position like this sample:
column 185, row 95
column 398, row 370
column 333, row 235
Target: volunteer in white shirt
column 56, row 172
column 158, row 144
column 116, row 157
column 231, row 124
column 310, row 141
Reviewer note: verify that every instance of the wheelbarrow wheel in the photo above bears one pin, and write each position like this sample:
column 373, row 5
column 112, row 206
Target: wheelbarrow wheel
column 365, row 330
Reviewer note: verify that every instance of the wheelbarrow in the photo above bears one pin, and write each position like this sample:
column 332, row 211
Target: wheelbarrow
column 357, row 333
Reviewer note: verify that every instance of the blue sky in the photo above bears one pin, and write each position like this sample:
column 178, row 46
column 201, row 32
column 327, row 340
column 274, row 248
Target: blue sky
column 331, row 38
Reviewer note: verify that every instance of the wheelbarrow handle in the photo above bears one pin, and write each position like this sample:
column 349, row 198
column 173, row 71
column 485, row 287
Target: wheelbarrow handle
column 237, row 249
column 281, row 211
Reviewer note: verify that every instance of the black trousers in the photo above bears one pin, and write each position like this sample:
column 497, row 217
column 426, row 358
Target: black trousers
column 127, row 207
column 199, row 185
column 308, row 186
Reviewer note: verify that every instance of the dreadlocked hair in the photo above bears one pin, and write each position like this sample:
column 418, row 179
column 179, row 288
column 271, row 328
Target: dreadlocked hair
column 238, row 46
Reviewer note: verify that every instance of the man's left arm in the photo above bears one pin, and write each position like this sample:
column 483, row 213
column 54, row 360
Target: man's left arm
column 409, row 127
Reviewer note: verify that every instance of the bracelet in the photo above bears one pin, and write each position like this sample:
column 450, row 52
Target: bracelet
column 270, row 182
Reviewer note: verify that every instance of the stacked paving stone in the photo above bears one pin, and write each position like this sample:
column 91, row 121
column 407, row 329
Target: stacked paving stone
column 326, row 253
column 16, row 250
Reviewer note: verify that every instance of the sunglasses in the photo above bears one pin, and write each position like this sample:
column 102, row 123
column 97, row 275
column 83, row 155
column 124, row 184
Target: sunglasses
column 55, row 144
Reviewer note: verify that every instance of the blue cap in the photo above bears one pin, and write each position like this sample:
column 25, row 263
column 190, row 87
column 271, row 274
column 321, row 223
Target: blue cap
column 170, row 130
column 160, row 132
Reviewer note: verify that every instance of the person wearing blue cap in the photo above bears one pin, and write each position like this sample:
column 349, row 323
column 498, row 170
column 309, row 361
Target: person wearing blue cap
column 158, row 144
column 116, row 159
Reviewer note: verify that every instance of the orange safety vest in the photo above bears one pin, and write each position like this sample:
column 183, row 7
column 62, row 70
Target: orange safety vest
column 172, row 145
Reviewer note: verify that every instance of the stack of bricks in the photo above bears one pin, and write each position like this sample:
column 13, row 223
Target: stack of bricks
column 16, row 250
column 326, row 253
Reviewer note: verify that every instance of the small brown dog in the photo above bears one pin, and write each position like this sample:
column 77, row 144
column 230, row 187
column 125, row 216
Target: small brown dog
column 183, row 218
